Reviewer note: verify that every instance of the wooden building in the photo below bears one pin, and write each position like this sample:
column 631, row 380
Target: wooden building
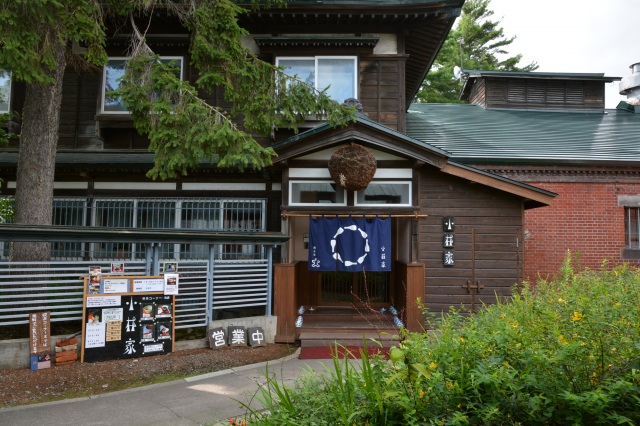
column 375, row 53
column 552, row 131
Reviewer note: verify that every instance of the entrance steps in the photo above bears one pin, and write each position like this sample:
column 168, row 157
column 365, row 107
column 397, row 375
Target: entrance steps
column 346, row 326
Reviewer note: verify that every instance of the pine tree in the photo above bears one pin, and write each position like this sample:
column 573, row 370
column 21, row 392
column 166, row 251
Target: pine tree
column 476, row 43
column 36, row 44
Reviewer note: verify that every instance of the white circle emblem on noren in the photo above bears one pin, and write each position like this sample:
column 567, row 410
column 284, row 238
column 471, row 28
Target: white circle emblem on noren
column 365, row 237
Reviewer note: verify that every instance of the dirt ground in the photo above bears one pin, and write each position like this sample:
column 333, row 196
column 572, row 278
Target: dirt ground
column 23, row 386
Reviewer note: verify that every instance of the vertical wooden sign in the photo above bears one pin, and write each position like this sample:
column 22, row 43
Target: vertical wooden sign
column 40, row 339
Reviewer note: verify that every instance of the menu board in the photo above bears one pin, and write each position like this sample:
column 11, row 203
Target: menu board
column 129, row 324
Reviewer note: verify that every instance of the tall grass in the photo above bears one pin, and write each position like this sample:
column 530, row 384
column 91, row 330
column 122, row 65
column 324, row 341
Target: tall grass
column 562, row 352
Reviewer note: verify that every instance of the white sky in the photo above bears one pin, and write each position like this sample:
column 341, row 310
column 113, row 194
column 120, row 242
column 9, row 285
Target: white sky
column 581, row 36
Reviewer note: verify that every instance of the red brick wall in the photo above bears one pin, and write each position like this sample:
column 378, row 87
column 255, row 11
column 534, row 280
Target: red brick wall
column 585, row 218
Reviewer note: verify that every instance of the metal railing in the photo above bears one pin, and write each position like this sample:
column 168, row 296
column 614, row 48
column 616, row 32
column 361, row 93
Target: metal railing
column 212, row 214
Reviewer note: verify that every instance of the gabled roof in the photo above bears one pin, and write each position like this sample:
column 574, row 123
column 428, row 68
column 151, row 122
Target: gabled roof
column 374, row 135
column 472, row 134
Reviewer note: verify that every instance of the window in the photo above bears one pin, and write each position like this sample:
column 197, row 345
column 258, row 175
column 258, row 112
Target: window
column 336, row 72
column 306, row 193
column 384, row 194
column 113, row 72
column 5, row 92
column 632, row 227
column 240, row 215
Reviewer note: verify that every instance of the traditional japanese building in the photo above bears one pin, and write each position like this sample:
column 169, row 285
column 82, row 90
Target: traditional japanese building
column 552, row 131
column 456, row 232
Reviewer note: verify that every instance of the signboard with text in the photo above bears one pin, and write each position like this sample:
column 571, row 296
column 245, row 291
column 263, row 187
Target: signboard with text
column 129, row 324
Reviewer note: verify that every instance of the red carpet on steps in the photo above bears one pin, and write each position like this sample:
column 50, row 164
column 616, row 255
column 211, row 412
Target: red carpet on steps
column 324, row 352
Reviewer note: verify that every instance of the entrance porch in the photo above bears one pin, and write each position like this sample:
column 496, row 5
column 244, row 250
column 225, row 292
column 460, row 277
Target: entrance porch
column 344, row 307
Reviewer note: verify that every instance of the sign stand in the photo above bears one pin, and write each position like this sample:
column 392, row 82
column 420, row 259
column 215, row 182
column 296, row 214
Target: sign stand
column 126, row 317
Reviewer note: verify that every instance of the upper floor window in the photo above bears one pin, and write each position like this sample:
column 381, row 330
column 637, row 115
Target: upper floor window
column 5, row 91
column 339, row 73
column 113, row 72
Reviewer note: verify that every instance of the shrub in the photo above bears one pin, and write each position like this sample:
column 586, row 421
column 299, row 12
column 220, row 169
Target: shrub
column 563, row 352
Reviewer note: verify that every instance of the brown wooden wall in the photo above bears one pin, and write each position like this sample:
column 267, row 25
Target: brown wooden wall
column 490, row 219
column 382, row 90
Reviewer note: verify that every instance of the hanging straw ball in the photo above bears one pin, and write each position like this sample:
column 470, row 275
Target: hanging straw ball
column 352, row 167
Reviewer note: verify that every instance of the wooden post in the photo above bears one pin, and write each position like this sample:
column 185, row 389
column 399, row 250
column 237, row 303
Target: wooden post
column 415, row 283
column 284, row 302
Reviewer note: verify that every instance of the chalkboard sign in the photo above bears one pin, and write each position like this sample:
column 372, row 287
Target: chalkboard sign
column 128, row 324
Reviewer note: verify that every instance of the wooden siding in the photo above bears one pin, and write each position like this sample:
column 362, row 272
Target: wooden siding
column 487, row 240
column 382, row 91
column 80, row 99
column 544, row 94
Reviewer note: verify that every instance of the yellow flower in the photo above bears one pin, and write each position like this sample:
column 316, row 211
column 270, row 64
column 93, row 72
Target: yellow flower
column 577, row 316
column 502, row 316
column 449, row 385
column 421, row 393
column 433, row 366
column 461, row 339
column 583, row 344
column 562, row 339
column 591, row 357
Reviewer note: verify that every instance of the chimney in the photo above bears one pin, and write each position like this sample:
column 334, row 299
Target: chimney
column 630, row 85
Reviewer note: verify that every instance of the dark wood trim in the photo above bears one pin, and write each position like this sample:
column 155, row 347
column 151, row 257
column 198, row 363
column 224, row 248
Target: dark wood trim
column 284, row 289
column 502, row 185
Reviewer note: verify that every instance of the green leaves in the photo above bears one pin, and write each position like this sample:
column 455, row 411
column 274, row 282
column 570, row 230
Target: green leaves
column 476, row 43
column 31, row 30
column 184, row 130
column 503, row 365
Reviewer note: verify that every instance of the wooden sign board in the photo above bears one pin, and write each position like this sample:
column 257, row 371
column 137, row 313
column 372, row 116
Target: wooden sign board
column 40, row 340
column 123, row 319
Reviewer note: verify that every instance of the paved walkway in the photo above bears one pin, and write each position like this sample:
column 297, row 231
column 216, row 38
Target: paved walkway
column 197, row 400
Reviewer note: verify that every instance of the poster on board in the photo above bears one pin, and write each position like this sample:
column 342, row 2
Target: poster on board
column 171, row 283
column 123, row 321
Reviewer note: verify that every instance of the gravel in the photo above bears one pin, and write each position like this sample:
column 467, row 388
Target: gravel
column 23, row 386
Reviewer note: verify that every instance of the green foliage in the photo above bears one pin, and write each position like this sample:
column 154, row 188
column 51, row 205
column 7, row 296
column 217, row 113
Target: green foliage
column 32, row 30
column 563, row 352
column 476, row 43
column 184, row 129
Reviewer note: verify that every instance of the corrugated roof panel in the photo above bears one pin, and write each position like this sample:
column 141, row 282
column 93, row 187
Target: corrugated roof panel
column 472, row 133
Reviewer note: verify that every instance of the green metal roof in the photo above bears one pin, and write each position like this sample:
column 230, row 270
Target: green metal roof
column 324, row 127
column 472, row 134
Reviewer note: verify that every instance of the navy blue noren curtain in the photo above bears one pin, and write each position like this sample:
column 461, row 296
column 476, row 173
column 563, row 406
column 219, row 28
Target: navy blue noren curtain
column 349, row 244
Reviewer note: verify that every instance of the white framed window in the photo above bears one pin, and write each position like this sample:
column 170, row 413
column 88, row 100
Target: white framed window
column 385, row 193
column 5, row 91
column 113, row 72
column 339, row 73
column 312, row 193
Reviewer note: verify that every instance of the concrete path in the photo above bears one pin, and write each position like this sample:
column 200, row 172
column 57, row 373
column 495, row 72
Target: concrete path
column 199, row 400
